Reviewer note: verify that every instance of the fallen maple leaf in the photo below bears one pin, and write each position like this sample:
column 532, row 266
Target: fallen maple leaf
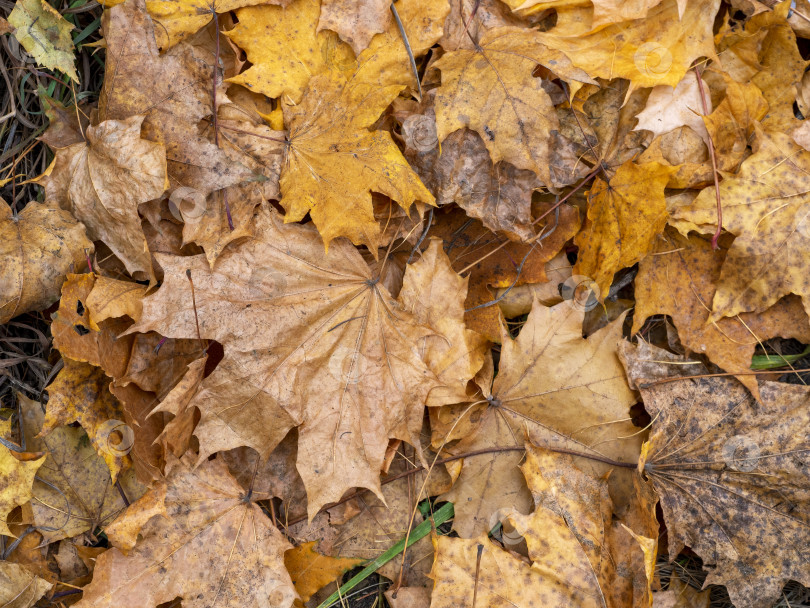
column 18, row 476
column 311, row 571
column 355, row 21
column 181, row 81
column 490, row 90
column 202, row 538
column 19, row 588
column 74, row 337
column 678, row 280
column 285, row 49
column 554, row 387
column 330, row 329
column 499, row 195
column 38, row 248
column 334, row 161
column 74, row 492
column 574, row 560
column 731, row 472
column 81, row 393
column 625, row 215
column 434, row 294
column 387, row 61
column 655, row 50
column 180, row 19
column 104, row 179
column 45, row 33
column 669, row 108
column 766, row 206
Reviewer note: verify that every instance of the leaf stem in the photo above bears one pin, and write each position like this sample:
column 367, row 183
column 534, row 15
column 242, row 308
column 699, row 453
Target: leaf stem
column 705, row 104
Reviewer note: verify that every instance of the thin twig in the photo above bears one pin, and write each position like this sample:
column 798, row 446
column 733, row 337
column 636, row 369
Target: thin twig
column 716, row 237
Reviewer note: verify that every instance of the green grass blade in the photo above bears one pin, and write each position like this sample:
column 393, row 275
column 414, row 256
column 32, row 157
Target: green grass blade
column 442, row 515
column 774, row 361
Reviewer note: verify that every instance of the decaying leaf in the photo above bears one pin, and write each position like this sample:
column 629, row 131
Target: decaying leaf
column 434, row 294
column 678, row 279
column 356, row 21
column 104, row 179
column 203, row 539
column 574, row 558
column 493, row 264
column 554, row 387
column 81, row 393
column 731, row 472
column 45, row 33
column 38, row 248
column 73, row 335
column 179, row 19
column 490, row 90
column 352, row 349
column 19, row 588
column 74, row 492
column 624, row 216
column 182, row 81
column 771, row 218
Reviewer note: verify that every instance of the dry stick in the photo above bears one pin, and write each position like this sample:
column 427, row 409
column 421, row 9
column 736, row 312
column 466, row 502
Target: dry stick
column 703, row 101
column 407, row 48
column 214, row 107
column 584, row 181
column 194, row 305
column 719, row 375
column 477, row 572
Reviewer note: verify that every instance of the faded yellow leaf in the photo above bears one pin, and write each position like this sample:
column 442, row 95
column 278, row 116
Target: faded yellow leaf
column 624, row 217
column 491, row 90
column 38, row 248
column 334, row 161
column 655, row 50
column 45, row 34
column 285, row 49
column 80, row 393
column 310, row 571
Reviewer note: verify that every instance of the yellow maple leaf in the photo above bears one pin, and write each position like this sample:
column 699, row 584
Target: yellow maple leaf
column 624, row 217
column 658, row 49
column 310, row 571
column 490, row 89
column 44, row 33
column 180, row 19
column 285, row 48
column 334, row 162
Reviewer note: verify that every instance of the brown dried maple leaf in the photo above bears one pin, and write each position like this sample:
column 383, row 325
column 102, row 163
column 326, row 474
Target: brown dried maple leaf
column 310, row 340
column 732, row 473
